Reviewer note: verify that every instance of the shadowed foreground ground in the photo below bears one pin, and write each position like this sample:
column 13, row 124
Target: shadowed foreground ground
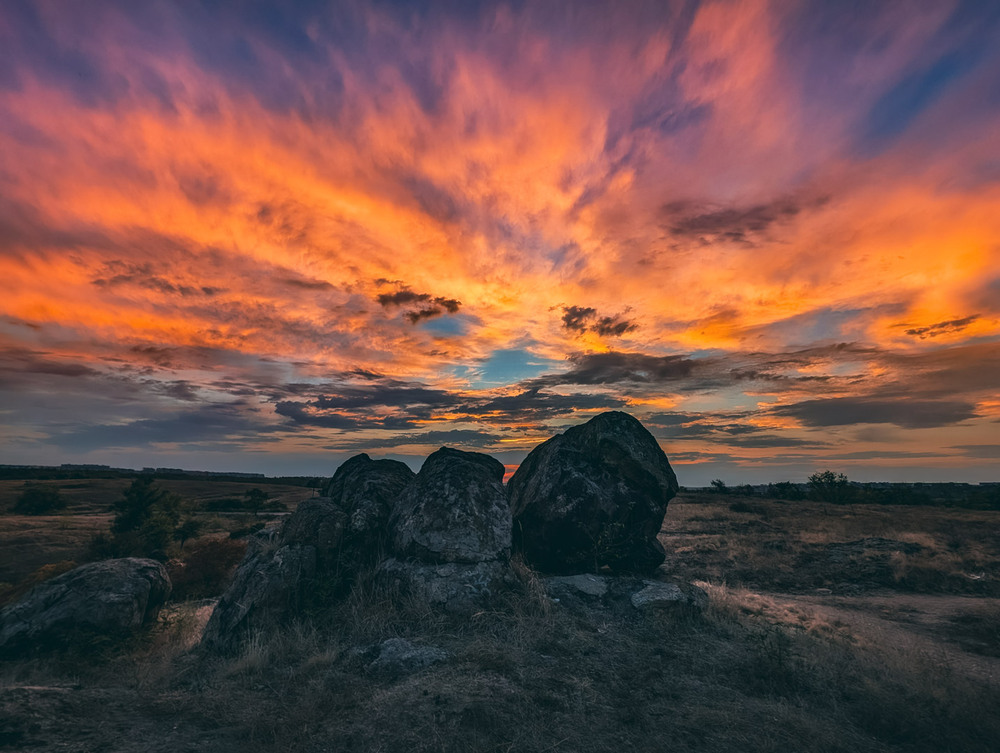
column 829, row 629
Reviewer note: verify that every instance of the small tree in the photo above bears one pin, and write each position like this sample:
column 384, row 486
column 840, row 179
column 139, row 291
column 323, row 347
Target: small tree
column 189, row 529
column 827, row 486
column 256, row 499
column 145, row 519
column 719, row 486
column 39, row 499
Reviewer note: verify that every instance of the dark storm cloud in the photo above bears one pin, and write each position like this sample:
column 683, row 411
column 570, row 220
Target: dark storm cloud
column 179, row 390
column 391, row 394
column 212, row 424
column 306, row 284
column 309, row 414
column 722, row 428
column 739, row 225
column 984, row 451
column 452, row 438
column 910, row 414
column 535, row 405
column 575, row 317
column 586, row 319
column 21, row 361
column 142, row 276
column 615, row 367
column 366, row 407
column 430, row 306
column 942, row 328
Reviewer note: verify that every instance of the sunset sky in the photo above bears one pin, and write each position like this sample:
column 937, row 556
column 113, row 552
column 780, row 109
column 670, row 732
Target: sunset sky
column 265, row 237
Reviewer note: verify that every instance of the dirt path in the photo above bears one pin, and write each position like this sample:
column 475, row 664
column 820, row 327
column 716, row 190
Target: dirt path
column 929, row 624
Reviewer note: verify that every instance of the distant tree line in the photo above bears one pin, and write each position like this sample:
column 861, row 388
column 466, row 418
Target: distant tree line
column 835, row 488
column 56, row 473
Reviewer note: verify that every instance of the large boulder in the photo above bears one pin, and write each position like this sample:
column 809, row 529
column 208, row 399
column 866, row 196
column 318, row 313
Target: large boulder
column 104, row 599
column 454, row 511
column 315, row 558
column 593, row 496
column 366, row 490
column 452, row 529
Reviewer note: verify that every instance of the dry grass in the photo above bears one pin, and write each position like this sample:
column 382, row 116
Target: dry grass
column 801, row 546
column 751, row 674
column 758, row 671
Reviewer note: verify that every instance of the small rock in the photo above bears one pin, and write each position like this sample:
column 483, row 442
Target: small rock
column 585, row 584
column 668, row 595
column 397, row 656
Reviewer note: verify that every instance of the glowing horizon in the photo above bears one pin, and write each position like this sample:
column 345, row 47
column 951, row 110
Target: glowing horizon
column 272, row 239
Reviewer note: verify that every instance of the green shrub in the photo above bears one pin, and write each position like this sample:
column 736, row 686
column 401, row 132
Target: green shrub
column 39, row 499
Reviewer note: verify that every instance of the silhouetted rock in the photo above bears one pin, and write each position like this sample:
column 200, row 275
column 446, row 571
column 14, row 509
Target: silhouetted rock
column 366, row 490
column 593, row 496
column 454, row 511
column 316, row 557
column 106, row 599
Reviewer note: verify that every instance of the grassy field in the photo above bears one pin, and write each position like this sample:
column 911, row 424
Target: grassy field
column 802, row 546
column 829, row 629
column 30, row 542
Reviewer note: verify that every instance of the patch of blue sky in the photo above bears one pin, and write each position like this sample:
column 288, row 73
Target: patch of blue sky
column 899, row 107
column 509, row 366
column 448, row 325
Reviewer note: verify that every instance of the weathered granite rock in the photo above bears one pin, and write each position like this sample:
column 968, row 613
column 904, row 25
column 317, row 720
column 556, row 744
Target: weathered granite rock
column 457, row 587
column 318, row 523
column 269, row 587
column 655, row 595
column 315, row 558
column 454, row 511
column 366, row 490
column 585, row 584
column 108, row 599
column 620, row 594
column 396, row 657
column 593, row 496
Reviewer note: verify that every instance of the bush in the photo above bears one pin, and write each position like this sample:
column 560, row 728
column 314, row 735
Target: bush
column 39, row 499
column 785, row 490
column 827, row 486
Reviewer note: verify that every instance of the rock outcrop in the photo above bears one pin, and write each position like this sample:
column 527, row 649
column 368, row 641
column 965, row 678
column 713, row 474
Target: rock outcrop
column 593, row 496
column 452, row 532
column 316, row 556
column 102, row 599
